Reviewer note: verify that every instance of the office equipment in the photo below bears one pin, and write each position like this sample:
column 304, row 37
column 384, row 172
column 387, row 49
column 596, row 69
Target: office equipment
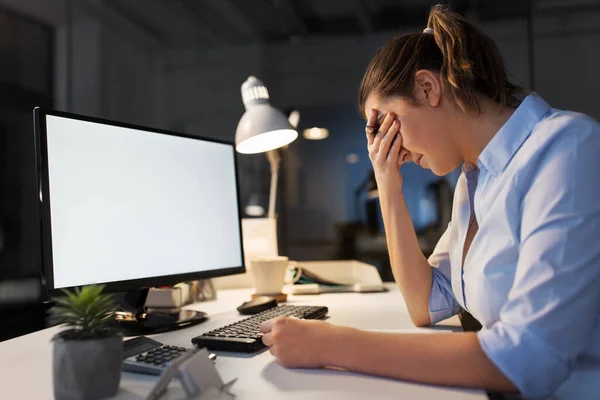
column 143, row 355
column 245, row 336
column 263, row 129
column 134, row 207
column 198, row 376
column 25, row 374
column 257, row 305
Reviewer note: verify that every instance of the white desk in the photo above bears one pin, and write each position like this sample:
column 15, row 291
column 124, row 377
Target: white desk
column 26, row 371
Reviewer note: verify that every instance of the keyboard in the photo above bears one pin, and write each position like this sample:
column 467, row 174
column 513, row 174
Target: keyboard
column 245, row 337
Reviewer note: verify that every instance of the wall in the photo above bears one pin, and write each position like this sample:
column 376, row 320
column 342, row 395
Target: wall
column 110, row 71
column 116, row 67
column 326, row 72
column 320, row 77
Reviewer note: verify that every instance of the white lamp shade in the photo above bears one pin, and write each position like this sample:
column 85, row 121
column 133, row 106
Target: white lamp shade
column 263, row 128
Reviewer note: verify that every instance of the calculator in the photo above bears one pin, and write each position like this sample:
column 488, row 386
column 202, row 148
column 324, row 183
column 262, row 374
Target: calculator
column 143, row 355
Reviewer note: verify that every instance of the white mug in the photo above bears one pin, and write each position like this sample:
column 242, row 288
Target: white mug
column 268, row 274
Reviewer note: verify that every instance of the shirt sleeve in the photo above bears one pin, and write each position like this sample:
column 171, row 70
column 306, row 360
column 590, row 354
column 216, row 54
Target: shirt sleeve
column 554, row 302
column 442, row 303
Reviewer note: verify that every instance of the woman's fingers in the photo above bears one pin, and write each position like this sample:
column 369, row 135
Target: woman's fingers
column 386, row 124
column 387, row 140
column 396, row 148
column 371, row 128
column 267, row 340
column 267, row 325
column 380, row 135
column 374, row 148
column 385, row 146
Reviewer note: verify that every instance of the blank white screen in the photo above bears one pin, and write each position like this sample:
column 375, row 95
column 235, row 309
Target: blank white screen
column 129, row 204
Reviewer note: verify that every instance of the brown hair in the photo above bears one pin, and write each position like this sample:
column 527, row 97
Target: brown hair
column 468, row 61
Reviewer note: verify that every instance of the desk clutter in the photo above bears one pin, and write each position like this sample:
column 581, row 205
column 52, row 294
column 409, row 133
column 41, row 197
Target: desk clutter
column 314, row 277
column 194, row 368
column 181, row 294
column 307, row 277
column 147, row 356
column 29, row 359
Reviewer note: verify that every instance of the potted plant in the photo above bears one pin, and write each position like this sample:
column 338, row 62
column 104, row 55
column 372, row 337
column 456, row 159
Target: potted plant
column 88, row 352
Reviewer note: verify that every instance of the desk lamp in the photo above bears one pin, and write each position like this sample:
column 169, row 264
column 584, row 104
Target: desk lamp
column 263, row 129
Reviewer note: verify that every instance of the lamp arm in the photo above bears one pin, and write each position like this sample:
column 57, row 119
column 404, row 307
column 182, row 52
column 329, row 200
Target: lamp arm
column 274, row 159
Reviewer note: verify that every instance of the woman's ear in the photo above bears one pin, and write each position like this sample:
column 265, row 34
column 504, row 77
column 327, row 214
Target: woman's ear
column 428, row 87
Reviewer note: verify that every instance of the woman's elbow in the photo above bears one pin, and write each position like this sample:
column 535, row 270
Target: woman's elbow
column 420, row 321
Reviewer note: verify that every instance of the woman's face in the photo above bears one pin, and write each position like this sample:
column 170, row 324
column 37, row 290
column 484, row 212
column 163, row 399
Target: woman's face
column 427, row 132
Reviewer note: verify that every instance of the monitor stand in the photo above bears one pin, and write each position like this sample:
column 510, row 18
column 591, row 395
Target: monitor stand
column 137, row 320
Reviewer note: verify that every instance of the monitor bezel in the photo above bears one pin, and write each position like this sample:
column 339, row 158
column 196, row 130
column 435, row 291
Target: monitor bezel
column 42, row 178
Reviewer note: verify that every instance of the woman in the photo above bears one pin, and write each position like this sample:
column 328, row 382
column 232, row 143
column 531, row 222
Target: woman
column 522, row 253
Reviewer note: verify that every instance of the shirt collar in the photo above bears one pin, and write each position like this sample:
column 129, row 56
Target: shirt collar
column 503, row 146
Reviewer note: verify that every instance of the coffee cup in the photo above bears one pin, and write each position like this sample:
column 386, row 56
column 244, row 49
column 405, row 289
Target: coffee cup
column 268, row 274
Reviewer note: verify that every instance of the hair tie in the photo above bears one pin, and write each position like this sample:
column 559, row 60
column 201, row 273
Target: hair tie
column 428, row 30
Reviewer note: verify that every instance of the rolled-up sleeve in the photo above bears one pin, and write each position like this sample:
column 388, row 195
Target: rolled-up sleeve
column 554, row 302
column 442, row 303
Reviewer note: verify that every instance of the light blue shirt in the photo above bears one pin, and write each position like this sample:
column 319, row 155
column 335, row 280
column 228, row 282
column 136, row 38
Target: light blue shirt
column 532, row 273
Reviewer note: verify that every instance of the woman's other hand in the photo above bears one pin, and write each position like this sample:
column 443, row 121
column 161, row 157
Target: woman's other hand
column 299, row 343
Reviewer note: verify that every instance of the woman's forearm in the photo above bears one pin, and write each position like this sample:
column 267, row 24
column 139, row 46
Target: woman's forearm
column 411, row 270
column 453, row 359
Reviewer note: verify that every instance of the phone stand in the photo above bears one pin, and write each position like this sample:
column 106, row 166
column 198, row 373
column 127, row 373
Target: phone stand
column 198, row 376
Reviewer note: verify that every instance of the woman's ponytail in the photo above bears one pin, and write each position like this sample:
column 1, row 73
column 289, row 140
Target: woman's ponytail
column 467, row 60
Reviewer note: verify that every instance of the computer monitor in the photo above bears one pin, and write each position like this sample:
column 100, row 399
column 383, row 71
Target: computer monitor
column 132, row 207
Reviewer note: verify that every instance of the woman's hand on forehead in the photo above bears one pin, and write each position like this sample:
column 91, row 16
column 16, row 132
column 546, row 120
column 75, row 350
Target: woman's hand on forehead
column 384, row 141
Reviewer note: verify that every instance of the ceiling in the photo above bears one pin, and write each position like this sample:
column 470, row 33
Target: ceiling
column 185, row 23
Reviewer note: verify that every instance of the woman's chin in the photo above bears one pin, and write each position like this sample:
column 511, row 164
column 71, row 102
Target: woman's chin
column 424, row 164
column 433, row 168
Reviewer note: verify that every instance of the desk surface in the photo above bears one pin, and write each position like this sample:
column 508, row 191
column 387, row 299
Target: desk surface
column 26, row 370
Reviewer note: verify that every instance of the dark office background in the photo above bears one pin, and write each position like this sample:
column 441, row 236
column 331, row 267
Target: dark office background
column 179, row 65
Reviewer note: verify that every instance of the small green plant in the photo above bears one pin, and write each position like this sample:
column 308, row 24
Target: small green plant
column 87, row 313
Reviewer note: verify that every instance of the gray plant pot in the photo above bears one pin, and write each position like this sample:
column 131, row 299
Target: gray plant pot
column 87, row 369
